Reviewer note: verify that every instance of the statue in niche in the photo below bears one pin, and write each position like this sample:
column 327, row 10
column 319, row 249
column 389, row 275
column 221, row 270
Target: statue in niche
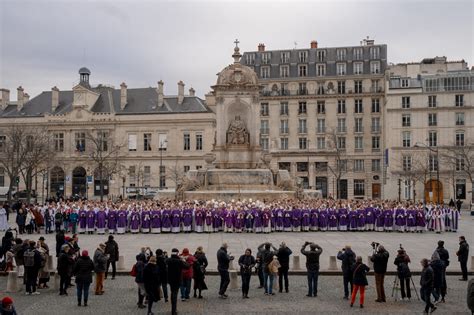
column 237, row 133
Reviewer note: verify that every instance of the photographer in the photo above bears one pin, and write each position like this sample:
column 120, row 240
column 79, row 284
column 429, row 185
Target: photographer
column 380, row 260
column 403, row 272
column 284, row 258
column 223, row 261
column 267, row 257
column 312, row 266
column 348, row 258
column 444, row 256
column 246, row 263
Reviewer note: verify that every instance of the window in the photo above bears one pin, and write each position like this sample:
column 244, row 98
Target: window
column 162, row 176
column 81, row 141
column 301, row 166
column 284, row 71
column 321, row 55
column 359, row 143
column 341, row 125
column 58, row 142
column 320, row 70
column 303, row 56
column 283, row 143
column 302, row 89
column 358, row 87
column 374, row 67
column 376, row 165
column 341, row 143
column 198, row 167
column 266, row 57
column 132, row 174
column 302, row 126
column 358, row 54
column 321, row 107
column 2, row 177
column 147, row 142
column 284, row 126
column 358, row 165
column 341, row 87
column 264, row 143
column 132, row 142
column 405, row 83
column 103, row 137
column 3, row 143
column 405, row 101
column 321, row 143
column 432, row 119
column 459, row 100
column 283, row 108
column 320, row 90
column 199, row 142
column 322, row 166
column 375, row 124
column 265, row 72
column 432, row 101
column 406, row 120
column 341, row 68
column 406, row 163
column 341, row 165
column 250, row 59
column 375, row 143
column 321, row 125
column 146, row 175
column 284, row 89
column 374, row 52
column 187, row 142
column 408, row 188
column 358, row 125
column 341, row 106
column 302, row 143
column 433, row 163
column 341, row 54
column 375, row 86
column 285, row 57
column 432, row 138
column 460, row 164
column 302, row 70
column 359, row 187
column 284, row 166
column 358, row 107
column 187, row 168
column 301, row 108
column 459, row 119
column 460, row 138
column 358, row 68
column 264, row 129
column 264, row 109
column 406, row 139
column 375, row 105
column 162, row 142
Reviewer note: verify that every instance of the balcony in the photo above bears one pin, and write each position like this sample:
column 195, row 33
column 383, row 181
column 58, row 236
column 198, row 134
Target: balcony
column 376, row 89
column 302, row 92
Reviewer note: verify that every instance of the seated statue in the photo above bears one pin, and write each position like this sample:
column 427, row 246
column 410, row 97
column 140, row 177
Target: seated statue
column 237, row 133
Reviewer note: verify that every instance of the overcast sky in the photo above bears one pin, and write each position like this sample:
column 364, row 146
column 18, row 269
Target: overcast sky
column 44, row 43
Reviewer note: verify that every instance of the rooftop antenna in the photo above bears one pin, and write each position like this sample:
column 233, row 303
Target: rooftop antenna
column 296, row 44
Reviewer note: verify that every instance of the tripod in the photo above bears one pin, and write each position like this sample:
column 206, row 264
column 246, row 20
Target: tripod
column 396, row 287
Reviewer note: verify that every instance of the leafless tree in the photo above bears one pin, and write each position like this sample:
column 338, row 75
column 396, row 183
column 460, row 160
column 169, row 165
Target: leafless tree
column 413, row 170
column 461, row 160
column 341, row 164
column 176, row 175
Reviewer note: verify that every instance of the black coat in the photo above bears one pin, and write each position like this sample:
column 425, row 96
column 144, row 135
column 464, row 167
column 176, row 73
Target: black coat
column 175, row 268
column 427, row 278
column 284, row 257
column 199, row 271
column 112, row 249
column 438, row 267
column 348, row 258
column 151, row 277
column 223, row 259
column 65, row 263
column 443, row 255
column 161, row 263
column 83, row 269
column 312, row 257
column 402, row 261
column 463, row 252
column 359, row 274
column 380, row 260
column 246, row 263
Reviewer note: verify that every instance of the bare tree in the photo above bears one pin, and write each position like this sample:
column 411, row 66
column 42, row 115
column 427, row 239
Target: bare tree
column 176, row 175
column 461, row 160
column 341, row 165
column 413, row 169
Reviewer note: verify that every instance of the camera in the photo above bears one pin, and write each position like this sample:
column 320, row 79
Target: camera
column 374, row 245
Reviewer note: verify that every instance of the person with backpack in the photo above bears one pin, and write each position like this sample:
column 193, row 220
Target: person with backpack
column 283, row 255
column 100, row 263
column 137, row 272
column 83, row 272
column 112, row 251
column 312, row 266
column 348, row 258
column 403, row 272
column 32, row 262
column 65, row 265
column 359, row 278
column 267, row 257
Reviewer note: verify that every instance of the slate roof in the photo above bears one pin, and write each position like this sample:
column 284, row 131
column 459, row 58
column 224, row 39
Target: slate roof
column 139, row 101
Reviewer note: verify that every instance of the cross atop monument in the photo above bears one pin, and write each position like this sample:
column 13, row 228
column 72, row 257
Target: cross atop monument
column 236, row 42
column 236, row 54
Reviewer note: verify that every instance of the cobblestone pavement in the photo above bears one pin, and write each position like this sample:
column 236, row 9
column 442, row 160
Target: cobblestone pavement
column 121, row 296
column 417, row 245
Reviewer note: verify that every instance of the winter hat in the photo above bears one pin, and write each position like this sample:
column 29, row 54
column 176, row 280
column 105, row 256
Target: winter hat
column 175, row 251
column 85, row 253
column 185, row 252
column 7, row 301
column 102, row 245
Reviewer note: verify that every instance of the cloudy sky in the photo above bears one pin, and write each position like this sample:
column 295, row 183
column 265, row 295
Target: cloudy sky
column 44, row 43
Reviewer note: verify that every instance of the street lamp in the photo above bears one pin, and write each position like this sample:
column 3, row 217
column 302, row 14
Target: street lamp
column 309, row 179
column 162, row 146
column 418, row 145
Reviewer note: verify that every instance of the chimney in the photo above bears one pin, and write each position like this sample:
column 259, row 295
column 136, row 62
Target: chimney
column 192, row 92
column 261, row 47
column 123, row 95
column 21, row 95
column 314, row 44
column 5, row 98
column 160, row 93
column 54, row 99
column 26, row 97
column 180, row 92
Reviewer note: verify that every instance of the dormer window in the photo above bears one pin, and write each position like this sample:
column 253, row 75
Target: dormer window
column 250, row 59
column 266, row 57
column 303, row 56
column 285, row 57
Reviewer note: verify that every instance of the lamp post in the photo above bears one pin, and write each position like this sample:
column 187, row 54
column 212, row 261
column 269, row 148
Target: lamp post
column 162, row 143
column 418, row 145
column 309, row 178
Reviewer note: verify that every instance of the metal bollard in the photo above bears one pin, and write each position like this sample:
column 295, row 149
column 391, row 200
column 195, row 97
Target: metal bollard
column 472, row 263
column 50, row 263
column 121, row 263
column 332, row 263
column 234, row 283
column 296, row 262
column 370, row 264
column 12, row 282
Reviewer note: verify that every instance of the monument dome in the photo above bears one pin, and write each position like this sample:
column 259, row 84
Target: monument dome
column 236, row 73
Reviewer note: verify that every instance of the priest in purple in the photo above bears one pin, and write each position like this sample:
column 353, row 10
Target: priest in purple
column 166, row 220
column 208, row 221
column 400, row 220
column 155, row 221
column 343, row 219
column 353, row 216
column 314, row 219
column 112, row 221
column 90, row 221
column 135, row 221
column 279, row 219
column 257, row 214
column 305, row 219
column 296, row 219
column 146, row 221
column 101, row 220
column 187, row 219
column 323, row 219
column 176, row 220
column 369, row 219
column 361, row 219
column 411, row 220
column 379, row 219
column 228, row 220
column 388, row 219
column 267, row 220
column 121, row 221
column 82, row 221
column 332, row 219
column 199, row 220
column 287, row 218
column 239, row 220
column 420, row 221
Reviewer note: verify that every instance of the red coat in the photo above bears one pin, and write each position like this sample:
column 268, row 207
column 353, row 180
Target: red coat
column 188, row 273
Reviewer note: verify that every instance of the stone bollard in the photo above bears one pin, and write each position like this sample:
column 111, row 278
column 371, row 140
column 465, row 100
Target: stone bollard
column 231, row 265
column 234, row 283
column 472, row 263
column 370, row 264
column 332, row 263
column 121, row 263
column 56, row 281
column 50, row 263
column 12, row 282
column 296, row 262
